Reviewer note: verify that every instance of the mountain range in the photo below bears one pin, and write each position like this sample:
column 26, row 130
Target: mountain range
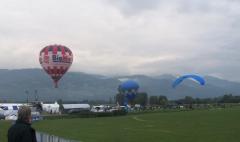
column 18, row 85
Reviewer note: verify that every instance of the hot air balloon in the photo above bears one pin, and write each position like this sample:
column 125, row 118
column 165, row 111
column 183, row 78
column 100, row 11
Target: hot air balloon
column 129, row 90
column 197, row 78
column 56, row 60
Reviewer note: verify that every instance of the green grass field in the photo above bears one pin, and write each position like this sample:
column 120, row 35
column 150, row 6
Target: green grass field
column 3, row 130
column 187, row 126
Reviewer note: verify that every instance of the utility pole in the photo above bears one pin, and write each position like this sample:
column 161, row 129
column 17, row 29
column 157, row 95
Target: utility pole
column 36, row 94
column 27, row 93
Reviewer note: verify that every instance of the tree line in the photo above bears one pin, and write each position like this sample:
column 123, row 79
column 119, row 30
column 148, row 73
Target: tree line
column 143, row 99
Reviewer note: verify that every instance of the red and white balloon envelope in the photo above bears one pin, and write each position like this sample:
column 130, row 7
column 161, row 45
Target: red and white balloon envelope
column 56, row 60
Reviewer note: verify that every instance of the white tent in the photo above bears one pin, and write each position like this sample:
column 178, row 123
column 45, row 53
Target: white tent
column 51, row 108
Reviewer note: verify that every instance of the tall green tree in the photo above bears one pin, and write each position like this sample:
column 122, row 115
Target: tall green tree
column 153, row 100
column 141, row 98
column 120, row 99
column 60, row 103
column 188, row 100
column 162, row 100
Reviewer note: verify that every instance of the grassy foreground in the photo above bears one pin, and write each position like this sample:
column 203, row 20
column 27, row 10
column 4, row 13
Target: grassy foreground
column 188, row 126
column 4, row 125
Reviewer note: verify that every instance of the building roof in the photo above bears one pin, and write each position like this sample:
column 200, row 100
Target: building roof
column 75, row 106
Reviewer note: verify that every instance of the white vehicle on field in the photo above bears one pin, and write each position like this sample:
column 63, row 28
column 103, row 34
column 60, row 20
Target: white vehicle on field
column 76, row 108
column 100, row 108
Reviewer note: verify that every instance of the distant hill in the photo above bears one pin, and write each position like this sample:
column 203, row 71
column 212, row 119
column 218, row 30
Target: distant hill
column 77, row 86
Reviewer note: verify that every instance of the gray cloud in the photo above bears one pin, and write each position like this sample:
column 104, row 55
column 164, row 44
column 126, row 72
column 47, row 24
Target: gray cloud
column 126, row 36
column 132, row 7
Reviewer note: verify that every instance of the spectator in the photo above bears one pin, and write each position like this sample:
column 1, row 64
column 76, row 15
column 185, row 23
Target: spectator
column 22, row 131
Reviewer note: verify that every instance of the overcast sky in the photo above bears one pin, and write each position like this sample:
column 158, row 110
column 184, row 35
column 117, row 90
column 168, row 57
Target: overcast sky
column 122, row 37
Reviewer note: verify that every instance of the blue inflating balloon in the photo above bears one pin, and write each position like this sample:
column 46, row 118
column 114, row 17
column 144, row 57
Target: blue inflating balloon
column 129, row 85
column 182, row 78
column 129, row 89
column 131, row 96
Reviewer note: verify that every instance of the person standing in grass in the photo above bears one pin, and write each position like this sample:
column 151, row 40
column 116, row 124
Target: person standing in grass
column 22, row 131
